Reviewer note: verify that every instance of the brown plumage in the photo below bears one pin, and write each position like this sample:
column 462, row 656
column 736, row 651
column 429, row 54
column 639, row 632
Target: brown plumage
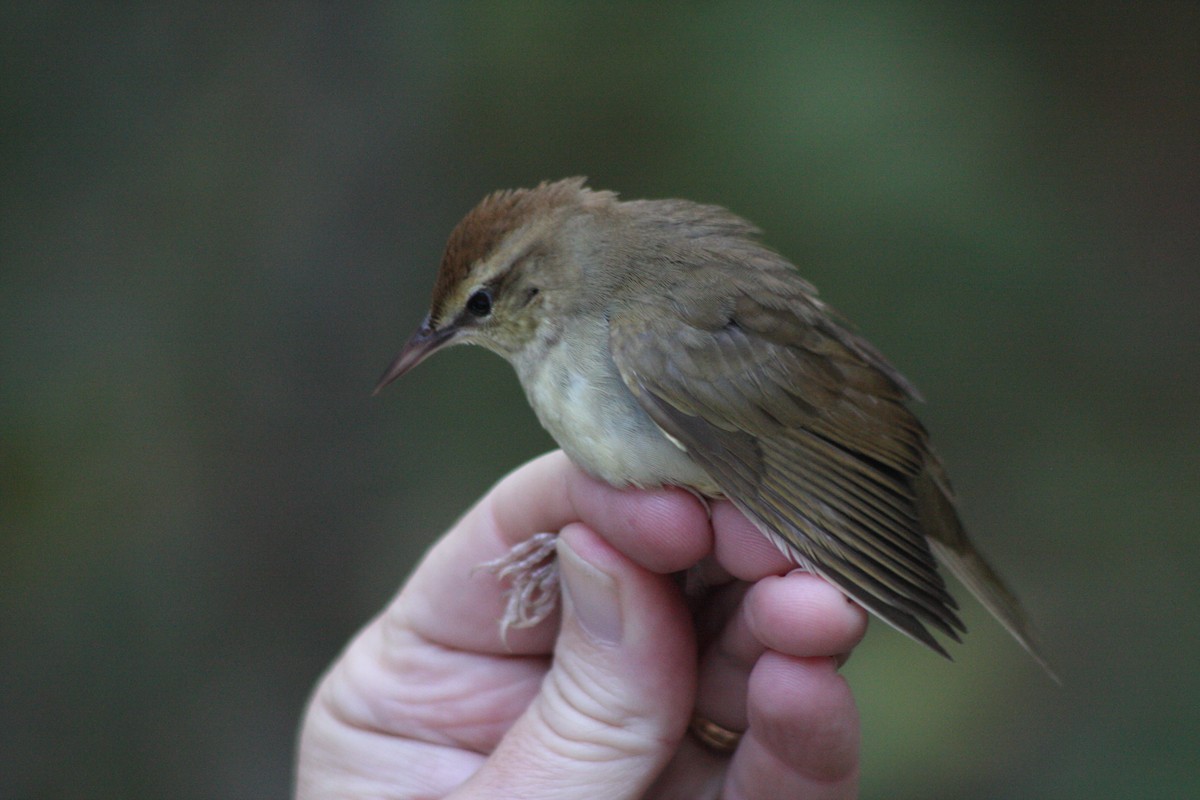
column 660, row 343
column 498, row 215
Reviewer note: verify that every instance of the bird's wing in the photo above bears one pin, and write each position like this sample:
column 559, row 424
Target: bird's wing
column 803, row 426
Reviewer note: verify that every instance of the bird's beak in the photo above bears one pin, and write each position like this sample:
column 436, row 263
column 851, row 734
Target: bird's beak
column 424, row 342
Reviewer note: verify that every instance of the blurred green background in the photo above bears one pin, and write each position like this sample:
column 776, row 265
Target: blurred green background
column 219, row 222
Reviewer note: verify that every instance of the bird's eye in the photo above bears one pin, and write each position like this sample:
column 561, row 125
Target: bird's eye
column 480, row 303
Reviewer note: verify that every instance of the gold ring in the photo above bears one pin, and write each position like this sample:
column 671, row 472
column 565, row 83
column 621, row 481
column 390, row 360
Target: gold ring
column 713, row 736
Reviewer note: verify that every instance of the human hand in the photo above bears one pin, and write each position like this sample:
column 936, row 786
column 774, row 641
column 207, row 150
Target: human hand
column 429, row 701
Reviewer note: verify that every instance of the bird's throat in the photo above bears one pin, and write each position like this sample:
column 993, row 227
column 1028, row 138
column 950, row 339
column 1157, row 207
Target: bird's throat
column 578, row 396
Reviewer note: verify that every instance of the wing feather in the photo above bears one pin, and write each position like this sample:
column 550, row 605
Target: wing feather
column 803, row 426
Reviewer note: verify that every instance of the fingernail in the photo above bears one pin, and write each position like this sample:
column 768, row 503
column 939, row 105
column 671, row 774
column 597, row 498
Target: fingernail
column 590, row 594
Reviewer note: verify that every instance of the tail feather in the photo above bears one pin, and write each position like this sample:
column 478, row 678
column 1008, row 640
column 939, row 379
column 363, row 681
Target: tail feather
column 950, row 544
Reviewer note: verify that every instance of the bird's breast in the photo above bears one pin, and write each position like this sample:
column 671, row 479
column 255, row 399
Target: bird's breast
column 580, row 399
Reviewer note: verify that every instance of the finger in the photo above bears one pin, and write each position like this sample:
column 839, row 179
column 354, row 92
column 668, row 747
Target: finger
column 618, row 696
column 450, row 601
column 799, row 615
column 664, row 529
column 741, row 548
column 804, row 732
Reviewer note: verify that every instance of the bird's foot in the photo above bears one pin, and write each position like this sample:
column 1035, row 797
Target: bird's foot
column 531, row 571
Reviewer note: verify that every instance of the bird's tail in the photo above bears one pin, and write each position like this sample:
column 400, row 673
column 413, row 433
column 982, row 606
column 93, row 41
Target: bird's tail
column 950, row 544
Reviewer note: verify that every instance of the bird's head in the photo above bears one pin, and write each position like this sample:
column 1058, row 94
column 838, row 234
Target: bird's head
column 511, row 264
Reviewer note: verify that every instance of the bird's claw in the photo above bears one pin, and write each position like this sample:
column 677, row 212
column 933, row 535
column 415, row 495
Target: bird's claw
column 531, row 571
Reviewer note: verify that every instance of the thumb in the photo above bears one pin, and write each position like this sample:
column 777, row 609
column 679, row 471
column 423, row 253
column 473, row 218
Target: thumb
column 617, row 698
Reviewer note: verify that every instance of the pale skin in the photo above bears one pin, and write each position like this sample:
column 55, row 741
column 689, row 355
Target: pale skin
column 428, row 700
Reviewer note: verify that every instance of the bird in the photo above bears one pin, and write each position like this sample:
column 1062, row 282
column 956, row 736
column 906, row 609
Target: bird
column 660, row 343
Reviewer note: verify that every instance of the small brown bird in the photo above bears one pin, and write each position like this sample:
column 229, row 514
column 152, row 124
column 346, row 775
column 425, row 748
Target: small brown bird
column 661, row 344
